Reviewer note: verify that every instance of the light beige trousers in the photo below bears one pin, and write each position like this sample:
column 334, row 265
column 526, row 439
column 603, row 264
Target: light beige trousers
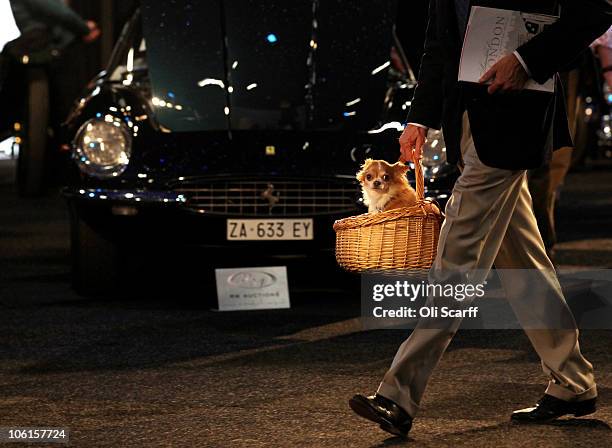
column 489, row 219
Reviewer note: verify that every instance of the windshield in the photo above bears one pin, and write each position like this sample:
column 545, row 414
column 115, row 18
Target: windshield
column 268, row 64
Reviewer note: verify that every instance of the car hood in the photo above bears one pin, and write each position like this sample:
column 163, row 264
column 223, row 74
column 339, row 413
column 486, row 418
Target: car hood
column 266, row 152
column 233, row 65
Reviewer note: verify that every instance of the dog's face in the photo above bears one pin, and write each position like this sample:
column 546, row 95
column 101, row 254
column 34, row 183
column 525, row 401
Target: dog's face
column 380, row 176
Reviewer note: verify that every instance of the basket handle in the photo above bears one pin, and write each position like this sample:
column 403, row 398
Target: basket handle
column 419, row 180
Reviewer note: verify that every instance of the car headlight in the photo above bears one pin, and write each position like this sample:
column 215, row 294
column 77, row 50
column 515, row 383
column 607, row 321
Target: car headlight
column 434, row 150
column 103, row 147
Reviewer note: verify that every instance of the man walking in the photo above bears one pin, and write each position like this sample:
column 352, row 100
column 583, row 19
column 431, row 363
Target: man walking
column 494, row 136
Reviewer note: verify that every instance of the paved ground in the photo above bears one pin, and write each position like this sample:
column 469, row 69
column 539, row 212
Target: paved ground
column 158, row 368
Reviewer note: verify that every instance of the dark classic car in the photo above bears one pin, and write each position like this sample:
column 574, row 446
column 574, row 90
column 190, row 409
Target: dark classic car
column 237, row 124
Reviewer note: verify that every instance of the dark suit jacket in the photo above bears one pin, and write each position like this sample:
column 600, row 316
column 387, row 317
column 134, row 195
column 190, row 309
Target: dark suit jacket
column 515, row 130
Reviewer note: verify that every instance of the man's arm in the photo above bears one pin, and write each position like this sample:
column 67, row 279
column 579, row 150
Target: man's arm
column 581, row 22
column 58, row 13
column 426, row 108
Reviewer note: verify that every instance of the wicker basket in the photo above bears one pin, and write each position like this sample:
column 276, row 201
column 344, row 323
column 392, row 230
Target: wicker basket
column 396, row 240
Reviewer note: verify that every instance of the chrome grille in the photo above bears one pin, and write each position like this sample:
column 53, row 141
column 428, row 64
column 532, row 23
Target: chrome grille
column 274, row 197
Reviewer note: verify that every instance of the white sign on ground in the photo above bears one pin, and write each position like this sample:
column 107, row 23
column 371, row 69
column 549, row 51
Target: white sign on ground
column 258, row 288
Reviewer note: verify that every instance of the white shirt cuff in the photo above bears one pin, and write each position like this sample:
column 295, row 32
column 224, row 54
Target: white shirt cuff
column 520, row 59
column 418, row 125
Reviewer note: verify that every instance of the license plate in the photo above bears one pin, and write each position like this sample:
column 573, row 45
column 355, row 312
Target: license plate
column 269, row 229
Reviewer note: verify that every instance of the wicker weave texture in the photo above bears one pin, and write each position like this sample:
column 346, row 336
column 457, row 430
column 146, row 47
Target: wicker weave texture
column 395, row 240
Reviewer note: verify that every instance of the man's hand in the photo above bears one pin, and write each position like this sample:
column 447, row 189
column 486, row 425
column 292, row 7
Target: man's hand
column 507, row 75
column 94, row 32
column 411, row 143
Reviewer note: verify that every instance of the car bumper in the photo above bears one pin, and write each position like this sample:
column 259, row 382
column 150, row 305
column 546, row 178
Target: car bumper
column 137, row 197
column 161, row 218
column 135, row 216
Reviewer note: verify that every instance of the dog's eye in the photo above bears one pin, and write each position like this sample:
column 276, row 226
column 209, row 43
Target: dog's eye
column 368, row 177
column 386, row 178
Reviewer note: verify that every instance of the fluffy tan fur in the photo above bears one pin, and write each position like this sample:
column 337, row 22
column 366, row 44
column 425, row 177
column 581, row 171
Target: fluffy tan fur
column 385, row 186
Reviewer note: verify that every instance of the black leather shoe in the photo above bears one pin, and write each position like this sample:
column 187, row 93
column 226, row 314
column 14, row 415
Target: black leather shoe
column 550, row 408
column 383, row 411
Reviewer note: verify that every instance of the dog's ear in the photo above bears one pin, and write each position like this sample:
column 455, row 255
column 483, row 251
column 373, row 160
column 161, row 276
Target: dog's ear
column 361, row 175
column 400, row 168
column 364, row 167
column 366, row 163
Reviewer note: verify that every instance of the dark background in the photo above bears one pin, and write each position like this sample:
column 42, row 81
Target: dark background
column 112, row 14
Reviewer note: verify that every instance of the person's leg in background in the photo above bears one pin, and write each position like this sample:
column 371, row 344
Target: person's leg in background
column 545, row 182
column 562, row 158
column 543, row 205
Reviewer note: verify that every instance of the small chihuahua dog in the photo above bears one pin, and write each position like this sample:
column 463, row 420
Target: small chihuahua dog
column 385, row 186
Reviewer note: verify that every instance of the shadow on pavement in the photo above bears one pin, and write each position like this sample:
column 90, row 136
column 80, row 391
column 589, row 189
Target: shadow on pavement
column 592, row 423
